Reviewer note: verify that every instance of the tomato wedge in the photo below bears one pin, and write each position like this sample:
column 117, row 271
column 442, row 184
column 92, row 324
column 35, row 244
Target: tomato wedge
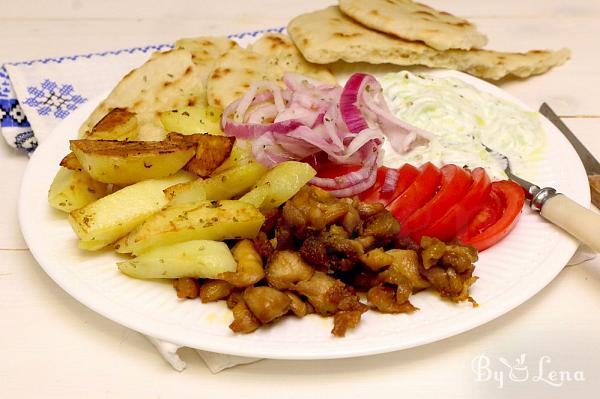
column 512, row 197
column 455, row 183
column 459, row 215
column 327, row 169
column 406, row 175
column 418, row 193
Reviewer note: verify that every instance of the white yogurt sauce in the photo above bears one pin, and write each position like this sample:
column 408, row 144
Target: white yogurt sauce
column 461, row 117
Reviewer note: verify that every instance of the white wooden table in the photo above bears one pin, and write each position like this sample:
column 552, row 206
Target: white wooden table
column 54, row 347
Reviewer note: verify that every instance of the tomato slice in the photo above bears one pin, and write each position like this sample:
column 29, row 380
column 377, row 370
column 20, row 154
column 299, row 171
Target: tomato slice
column 406, row 175
column 418, row 193
column 455, row 183
column 489, row 213
column 459, row 215
column 372, row 194
column 327, row 169
column 512, row 197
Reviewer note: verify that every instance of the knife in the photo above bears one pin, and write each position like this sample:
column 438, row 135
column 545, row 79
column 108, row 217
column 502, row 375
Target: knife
column 591, row 165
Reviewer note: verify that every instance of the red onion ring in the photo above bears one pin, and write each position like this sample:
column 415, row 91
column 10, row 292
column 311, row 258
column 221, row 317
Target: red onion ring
column 390, row 180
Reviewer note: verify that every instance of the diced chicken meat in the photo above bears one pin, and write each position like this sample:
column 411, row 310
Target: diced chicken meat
column 285, row 268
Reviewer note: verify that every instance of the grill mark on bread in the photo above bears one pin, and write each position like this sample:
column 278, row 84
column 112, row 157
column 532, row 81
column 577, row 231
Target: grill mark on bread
column 424, row 13
column 342, row 34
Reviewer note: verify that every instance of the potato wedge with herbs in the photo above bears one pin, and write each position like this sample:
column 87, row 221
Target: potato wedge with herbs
column 279, row 184
column 196, row 259
column 241, row 154
column 123, row 163
column 119, row 124
column 190, row 120
column 204, row 220
column 73, row 189
column 71, row 162
column 226, row 185
column 211, row 151
column 111, row 217
column 93, row 245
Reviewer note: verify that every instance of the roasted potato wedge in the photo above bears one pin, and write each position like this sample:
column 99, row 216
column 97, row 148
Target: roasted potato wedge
column 226, row 185
column 71, row 162
column 73, row 189
column 190, row 120
column 279, row 184
column 123, row 163
column 204, row 220
column 115, row 215
column 118, row 124
column 241, row 154
column 196, row 258
column 93, row 245
column 211, row 151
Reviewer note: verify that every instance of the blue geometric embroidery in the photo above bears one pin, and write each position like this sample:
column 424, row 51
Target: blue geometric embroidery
column 26, row 141
column 241, row 35
column 55, row 99
column 5, row 87
column 11, row 114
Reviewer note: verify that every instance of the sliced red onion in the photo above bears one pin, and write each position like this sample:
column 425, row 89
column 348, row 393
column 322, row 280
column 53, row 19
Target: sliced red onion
column 262, row 113
column 351, row 114
column 359, row 143
column 356, row 189
column 390, row 180
column 349, row 179
column 250, row 131
column 331, row 128
column 297, row 147
column 402, row 135
column 305, row 116
column 318, row 140
column 267, row 152
column 348, row 124
column 360, row 187
column 250, row 95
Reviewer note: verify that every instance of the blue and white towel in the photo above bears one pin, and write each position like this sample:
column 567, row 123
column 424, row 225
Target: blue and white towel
column 38, row 95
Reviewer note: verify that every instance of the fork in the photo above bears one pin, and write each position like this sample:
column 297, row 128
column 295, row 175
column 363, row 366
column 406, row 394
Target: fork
column 580, row 222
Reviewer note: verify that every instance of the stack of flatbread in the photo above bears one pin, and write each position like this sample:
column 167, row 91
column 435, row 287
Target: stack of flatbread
column 215, row 71
column 201, row 71
column 404, row 32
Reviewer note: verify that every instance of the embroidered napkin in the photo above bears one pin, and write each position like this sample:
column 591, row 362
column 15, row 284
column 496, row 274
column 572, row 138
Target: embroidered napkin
column 37, row 95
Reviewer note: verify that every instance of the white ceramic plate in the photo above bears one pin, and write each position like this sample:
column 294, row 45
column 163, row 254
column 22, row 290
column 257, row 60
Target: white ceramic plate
column 509, row 273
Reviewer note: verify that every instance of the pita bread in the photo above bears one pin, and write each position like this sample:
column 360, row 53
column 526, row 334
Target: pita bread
column 233, row 74
column 327, row 36
column 283, row 54
column 166, row 81
column 267, row 59
column 206, row 50
column 416, row 22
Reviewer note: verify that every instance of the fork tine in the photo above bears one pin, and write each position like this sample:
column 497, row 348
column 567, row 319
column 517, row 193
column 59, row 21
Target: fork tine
column 505, row 160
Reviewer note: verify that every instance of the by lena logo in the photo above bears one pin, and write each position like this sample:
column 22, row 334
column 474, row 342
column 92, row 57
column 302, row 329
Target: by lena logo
column 540, row 370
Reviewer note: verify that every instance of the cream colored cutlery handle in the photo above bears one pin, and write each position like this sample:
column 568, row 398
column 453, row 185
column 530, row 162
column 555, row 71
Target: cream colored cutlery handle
column 576, row 220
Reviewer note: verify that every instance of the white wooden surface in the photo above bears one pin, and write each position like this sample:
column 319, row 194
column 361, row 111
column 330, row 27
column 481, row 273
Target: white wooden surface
column 53, row 347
